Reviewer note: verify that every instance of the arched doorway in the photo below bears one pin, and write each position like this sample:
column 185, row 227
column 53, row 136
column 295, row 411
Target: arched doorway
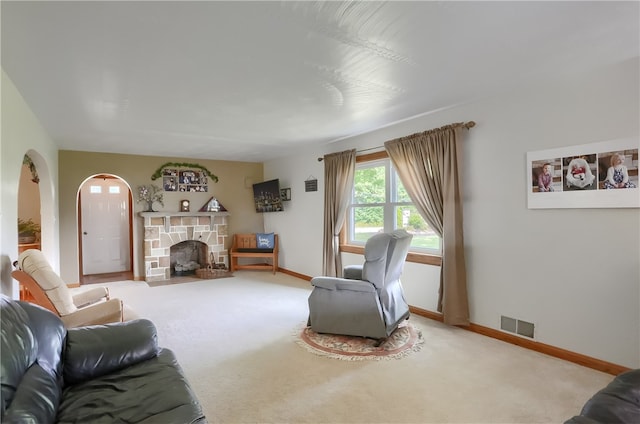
column 29, row 218
column 35, row 202
column 105, row 230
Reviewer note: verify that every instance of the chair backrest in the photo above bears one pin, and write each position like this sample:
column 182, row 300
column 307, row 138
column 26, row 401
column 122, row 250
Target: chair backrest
column 34, row 264
column 39, row 296
column 375, row 259
column 397, row 254
column 384, row 256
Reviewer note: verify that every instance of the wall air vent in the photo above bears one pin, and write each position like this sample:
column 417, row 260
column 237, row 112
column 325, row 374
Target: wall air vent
column 508, row 324
column 513, row 325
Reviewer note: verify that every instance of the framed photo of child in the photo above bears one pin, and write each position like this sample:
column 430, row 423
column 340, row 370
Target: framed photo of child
column 596, row 175
column 546, row 175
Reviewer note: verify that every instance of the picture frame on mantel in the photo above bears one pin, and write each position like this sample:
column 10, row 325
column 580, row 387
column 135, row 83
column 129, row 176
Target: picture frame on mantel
column 595, row 175
column 213, row 205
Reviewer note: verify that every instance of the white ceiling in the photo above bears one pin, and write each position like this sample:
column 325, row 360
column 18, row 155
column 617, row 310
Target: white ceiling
column 253, row 81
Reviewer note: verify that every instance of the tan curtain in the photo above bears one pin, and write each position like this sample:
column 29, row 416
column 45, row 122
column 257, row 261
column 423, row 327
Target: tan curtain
column 428, row 165
column 339, row 170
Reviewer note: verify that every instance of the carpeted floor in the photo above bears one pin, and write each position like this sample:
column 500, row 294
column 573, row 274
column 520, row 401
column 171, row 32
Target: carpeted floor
column 233, row 338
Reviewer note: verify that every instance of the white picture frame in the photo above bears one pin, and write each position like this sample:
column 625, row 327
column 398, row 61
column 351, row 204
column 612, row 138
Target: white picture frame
column 579, row 176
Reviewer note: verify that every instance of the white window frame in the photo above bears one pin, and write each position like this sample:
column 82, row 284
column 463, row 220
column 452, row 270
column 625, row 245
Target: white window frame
column 389, row 207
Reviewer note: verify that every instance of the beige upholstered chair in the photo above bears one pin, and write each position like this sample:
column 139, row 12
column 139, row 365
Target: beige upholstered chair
column 88, row 307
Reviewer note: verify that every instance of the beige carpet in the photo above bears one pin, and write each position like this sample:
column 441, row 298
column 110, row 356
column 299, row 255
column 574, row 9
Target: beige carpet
column 233, row 338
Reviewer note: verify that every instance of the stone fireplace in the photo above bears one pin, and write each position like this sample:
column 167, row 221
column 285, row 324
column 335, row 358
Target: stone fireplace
column 162, row 230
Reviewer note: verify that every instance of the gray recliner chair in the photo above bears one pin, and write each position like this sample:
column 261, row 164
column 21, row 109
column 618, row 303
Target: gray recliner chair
column 369, row 300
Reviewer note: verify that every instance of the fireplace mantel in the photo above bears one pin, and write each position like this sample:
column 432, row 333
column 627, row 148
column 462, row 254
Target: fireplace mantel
column 170, row 214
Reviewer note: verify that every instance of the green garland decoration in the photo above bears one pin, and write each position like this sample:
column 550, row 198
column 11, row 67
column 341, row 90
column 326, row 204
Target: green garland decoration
column 158, row 172
column 26, row 160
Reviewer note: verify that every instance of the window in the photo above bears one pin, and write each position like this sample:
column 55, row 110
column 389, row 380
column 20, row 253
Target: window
column 379, row 202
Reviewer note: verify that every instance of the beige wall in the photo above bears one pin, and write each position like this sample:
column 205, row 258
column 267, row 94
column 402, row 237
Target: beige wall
column 231, row 190
column 22, row 133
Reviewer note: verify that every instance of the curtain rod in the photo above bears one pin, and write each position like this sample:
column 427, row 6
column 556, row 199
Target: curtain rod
column 467, row 125
column 359, row 151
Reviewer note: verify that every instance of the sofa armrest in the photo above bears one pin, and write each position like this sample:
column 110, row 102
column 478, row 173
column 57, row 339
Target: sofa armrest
column 36, row 399
column 332, row 283
column 94, row 351
column 618, row 402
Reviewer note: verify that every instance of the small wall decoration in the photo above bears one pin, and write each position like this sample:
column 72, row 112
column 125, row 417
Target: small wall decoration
column 285, row 194
column 32, row 168
column 311, row 184
column 213, row 205
column 150, row 194
column 597, row 175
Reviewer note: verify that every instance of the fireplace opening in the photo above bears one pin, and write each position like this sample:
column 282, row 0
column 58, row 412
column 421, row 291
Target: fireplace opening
column 186, row 257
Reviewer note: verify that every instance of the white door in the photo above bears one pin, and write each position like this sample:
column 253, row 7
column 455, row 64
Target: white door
column 105, row 226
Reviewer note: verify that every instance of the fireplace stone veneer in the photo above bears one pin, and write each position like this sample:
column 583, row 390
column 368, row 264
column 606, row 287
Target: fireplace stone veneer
column 164, row 229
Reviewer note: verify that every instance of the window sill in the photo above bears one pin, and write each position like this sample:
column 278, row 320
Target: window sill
column 419, row 258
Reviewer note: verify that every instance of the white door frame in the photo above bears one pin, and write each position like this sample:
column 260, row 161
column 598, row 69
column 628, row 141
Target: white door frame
column 79, row 223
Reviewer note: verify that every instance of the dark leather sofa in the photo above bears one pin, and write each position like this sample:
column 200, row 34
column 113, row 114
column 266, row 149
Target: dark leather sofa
column 618, row 402
column 97, row 374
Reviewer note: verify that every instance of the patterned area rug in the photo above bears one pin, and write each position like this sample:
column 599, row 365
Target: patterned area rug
column 405, row 340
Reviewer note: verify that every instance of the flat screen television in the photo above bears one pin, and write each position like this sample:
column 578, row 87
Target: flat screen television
column 267, row 196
